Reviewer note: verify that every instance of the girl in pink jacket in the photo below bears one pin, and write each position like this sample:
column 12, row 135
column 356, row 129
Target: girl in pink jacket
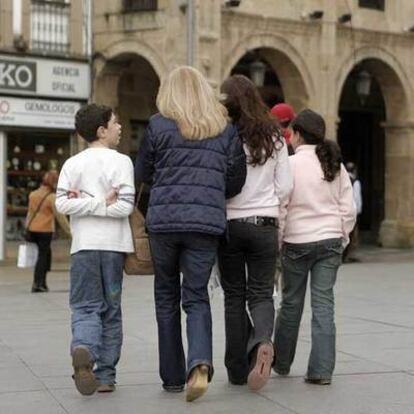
column 314, row 228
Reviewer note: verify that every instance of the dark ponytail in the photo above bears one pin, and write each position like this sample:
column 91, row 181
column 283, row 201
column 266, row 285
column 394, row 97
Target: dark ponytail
column 311, row 127
column 329, row 156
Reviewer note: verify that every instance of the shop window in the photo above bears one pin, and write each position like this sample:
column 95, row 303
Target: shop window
column 29, row 156
column 140, row 5
column 372, row 4
column 50, row 26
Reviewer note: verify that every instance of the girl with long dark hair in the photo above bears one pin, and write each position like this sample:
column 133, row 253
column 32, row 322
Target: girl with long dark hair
column 315, row 226
column 252, row 218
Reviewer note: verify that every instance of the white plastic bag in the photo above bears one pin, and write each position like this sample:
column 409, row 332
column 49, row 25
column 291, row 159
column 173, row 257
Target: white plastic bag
column 214, row 281
column 27, row 255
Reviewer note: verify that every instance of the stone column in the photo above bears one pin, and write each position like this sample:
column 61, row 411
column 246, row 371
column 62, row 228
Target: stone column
column 3, row 194
column 77, row 15
column 26, row 21
column 325, row 101
column 105, row 80
column 208, row 52
column 397, row 229
column 6, row 24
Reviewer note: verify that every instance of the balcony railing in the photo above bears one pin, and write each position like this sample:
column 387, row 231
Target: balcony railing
column 139, row 5
column 50, row 26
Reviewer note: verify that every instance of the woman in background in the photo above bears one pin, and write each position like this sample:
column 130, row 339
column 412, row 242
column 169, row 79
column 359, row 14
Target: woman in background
column 41, row 226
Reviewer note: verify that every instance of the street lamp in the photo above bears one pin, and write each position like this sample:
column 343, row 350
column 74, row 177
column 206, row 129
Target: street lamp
column 363, row 85
column 257, row 72
column 345, row 18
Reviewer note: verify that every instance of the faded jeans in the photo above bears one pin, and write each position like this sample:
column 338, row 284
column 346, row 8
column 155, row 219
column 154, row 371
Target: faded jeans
column 95, row 302
column 321, row 259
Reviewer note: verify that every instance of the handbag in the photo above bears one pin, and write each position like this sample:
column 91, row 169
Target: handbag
column 27, row 233
column 27, row 255
column 139, row 262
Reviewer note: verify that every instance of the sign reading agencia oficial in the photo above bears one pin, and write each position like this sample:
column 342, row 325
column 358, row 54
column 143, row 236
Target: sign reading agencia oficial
column 44, row 77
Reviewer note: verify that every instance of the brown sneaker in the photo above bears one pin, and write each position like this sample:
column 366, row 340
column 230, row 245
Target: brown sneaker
column 106, row 388
column 83, row 366
column 260, row 372
column 198, row 383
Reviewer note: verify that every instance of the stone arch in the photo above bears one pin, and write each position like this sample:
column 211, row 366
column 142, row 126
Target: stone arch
column 127, row 77
column 131, row 46
column 397, row 93
column 285, row 60
column 395, row 85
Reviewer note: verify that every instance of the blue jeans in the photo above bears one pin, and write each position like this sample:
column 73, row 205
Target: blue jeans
column 322, row 259
column 95, row 302
column 192, row 254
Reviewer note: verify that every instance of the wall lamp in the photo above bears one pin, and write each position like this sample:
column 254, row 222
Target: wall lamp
column 232, row 3
column 409, row 29
column 345, row 18
column 315, row 15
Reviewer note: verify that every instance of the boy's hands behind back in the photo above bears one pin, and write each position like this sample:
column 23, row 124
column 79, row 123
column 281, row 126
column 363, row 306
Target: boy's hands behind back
column 112, row 197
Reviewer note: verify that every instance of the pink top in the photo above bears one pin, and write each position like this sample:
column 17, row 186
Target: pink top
column 316, row 209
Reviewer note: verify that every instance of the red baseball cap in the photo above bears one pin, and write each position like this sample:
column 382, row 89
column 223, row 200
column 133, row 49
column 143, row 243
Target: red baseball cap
column 283, row 112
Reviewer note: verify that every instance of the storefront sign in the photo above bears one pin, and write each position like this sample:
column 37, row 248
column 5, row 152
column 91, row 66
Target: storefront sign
column 40, row 113
column 44, row 77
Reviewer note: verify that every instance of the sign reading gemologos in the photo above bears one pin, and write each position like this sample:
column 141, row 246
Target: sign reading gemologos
column 41, row 113
column 44, row 77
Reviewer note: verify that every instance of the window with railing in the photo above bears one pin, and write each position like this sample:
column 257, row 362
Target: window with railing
column 372, row 4
column 50, row 25
column 140, row 5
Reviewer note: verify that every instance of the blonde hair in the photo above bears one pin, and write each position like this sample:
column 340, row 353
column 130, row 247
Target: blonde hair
column 186, row 97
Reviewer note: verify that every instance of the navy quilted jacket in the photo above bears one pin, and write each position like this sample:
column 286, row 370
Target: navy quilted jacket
column 189, row 180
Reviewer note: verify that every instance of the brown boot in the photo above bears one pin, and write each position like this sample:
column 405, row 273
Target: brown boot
column 198, row 383
column 260, row 372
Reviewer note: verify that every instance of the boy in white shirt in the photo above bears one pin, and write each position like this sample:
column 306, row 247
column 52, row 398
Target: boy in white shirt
column 96, row 188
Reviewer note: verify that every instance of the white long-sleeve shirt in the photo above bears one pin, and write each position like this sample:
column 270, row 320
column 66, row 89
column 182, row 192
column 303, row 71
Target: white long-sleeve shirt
column 95, row 226
column 316, row 209
column 266, row 186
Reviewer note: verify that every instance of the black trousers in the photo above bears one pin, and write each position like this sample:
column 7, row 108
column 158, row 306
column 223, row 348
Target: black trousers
column 43, row 241
column 255, row 248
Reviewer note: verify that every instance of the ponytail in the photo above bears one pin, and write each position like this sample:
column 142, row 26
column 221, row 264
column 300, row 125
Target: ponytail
column 329, row 156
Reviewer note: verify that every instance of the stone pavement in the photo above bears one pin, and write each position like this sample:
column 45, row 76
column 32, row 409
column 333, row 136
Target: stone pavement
column 375, row 360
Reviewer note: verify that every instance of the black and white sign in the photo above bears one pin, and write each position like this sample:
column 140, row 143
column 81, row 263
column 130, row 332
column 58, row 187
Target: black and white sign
column 21, row 112
column 44, row 77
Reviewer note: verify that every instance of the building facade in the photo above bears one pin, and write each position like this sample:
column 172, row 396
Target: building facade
column 351, row 60
column 44, row 79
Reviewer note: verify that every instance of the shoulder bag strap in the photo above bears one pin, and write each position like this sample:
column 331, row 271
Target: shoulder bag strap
column 140, row 191
column 37, row 210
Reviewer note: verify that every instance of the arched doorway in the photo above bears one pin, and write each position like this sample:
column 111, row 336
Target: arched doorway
column 129, row 83
column 362, row 141
column 286, row 78
column 372, row 98
column 256, row 67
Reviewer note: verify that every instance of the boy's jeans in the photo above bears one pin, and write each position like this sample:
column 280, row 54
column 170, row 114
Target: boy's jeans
column 322, row 260
column 95, row 301
column 194, row 255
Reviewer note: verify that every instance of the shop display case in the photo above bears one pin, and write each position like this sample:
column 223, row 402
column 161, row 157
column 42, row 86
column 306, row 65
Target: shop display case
column 29, row 156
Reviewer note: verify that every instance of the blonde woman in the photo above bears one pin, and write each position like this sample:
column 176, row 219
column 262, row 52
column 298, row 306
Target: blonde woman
column 193, row 160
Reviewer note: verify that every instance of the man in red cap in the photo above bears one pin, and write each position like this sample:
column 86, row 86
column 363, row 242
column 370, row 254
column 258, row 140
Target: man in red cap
column 284, row 113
